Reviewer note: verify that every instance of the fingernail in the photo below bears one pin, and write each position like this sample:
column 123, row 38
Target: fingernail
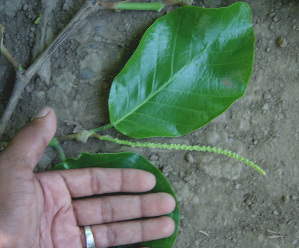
column 43, row 112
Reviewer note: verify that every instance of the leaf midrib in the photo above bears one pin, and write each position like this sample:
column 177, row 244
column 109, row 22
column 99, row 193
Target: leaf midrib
column 178, row 73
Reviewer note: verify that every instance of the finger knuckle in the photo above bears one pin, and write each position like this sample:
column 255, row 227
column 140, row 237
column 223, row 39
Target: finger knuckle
column 111, row 236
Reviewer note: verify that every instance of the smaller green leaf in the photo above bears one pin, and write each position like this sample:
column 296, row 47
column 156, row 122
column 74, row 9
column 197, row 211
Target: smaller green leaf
column 134, row 161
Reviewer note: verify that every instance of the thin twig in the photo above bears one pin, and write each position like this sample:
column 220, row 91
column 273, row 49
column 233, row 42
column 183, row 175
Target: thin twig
column 9, row 57
column 4, row 51
column 86, row 10
column 274, row 235
column 23, row 77
column 203, row 232
column 68, row 137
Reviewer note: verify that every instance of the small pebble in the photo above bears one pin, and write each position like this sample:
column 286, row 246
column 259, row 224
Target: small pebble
column 25, row 7
column 293, row 197
column 284, row 198
column 29, row 88
column 213, row 137
column 182, row 173
column 189, row 158
column 167, row 169
column 274, row 18
column 281, row 42
column 266, row 96
column 275, row 213
column 188, row 178
column 265, row 107
column 153, row 157
column 56, row 54
column 267, row 49
column 271, row 27
column 65, row 6
column 261, row 237
column 78, row 97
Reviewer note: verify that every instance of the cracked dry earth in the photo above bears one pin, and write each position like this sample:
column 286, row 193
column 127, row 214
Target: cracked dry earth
column 223, row 203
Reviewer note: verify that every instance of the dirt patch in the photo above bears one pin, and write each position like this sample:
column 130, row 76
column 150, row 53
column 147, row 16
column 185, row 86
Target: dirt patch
column 223, row 203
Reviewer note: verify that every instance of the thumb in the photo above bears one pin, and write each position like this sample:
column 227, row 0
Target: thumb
column 28, row 145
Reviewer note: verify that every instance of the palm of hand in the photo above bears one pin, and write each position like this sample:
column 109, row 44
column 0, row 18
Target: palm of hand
column 58, row 226
column 47, row 209
column 48, row 217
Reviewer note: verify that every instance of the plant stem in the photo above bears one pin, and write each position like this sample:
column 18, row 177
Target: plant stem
column 19, row 86
column 9, row 57
column 157, row 6
column 184, row 147
column 88, row 8
column 99, row 129
column 54, row 143
column 85, row 134
column 68, row 137
column 5, row 52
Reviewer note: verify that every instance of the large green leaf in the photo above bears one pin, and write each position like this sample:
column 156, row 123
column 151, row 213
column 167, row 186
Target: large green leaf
column 129, row 160
column 189, row 67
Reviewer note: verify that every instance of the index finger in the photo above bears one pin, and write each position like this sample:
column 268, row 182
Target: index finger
column 93, row 181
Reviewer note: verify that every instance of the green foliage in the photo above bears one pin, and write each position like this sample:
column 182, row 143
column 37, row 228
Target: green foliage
column 129, row 160
column 189, row 67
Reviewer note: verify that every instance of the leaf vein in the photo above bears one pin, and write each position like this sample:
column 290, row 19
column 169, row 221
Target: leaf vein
column 184, row 108
column 196, row 94
column 156, row 118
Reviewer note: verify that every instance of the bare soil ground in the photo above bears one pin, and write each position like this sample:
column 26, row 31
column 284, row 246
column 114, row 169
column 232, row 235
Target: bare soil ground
column 223, row 203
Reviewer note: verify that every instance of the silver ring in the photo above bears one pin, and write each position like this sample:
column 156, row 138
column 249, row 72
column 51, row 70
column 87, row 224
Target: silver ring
column 89, row 238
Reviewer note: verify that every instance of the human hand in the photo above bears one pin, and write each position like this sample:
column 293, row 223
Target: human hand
column 43, row 209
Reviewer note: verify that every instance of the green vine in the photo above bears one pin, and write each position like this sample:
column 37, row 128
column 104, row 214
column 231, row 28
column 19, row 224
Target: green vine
column 184, row 147
column 99, row 129
column 141, row 6
column 55, row 143
column 156, row 6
